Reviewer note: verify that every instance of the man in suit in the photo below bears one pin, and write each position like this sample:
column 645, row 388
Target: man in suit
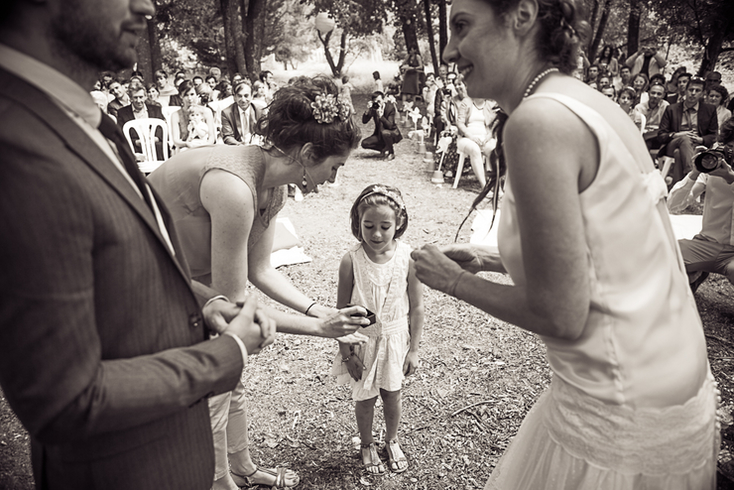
column 685, row 125
column 240, row 119
column 104, row 354
column 680, row 96
column 120, row 98
column 140, row 109
column 386, row 132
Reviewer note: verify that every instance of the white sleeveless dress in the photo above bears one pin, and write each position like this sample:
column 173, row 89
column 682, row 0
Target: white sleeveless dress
column 382, row 289
column 612, row 418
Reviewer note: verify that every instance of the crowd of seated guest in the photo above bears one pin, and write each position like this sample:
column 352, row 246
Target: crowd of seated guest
column 681, row 111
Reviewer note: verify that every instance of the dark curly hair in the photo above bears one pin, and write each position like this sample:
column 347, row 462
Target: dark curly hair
column 290, row 122
column 563, row 30
column 721, row 90
column 726, row 131
column 371, row 196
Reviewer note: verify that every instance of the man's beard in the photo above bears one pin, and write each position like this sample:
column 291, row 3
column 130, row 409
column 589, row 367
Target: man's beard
column 81, row 35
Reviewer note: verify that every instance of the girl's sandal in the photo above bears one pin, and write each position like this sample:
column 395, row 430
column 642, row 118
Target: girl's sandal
column 392, row 448
column 280, row 475
column 374, row 462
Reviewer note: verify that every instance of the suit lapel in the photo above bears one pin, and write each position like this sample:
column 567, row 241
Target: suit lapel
column 78, row 142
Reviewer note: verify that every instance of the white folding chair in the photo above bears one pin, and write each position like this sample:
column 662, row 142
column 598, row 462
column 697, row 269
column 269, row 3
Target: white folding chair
column 145, row 130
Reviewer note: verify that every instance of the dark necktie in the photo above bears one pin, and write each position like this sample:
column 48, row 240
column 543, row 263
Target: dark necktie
column 112, row 132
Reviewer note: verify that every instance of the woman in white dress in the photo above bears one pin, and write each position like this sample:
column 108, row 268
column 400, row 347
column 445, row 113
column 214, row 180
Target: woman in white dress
column 596, row 270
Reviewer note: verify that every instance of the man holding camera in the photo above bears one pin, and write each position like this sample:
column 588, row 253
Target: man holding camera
column 647, row 60
column 712, row 249
column 386, row 130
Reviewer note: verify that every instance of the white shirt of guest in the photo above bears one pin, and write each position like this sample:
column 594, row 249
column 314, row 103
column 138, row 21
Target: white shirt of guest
column 143, row 114
column 652, row 116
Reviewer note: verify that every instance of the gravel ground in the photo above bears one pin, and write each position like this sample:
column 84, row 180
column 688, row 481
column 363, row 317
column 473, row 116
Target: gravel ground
column 478, row 376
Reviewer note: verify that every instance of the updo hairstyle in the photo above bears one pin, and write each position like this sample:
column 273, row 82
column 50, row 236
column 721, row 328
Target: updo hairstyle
column 184, row 87
column 375, row 195
column 290, row 122
column 562, row 29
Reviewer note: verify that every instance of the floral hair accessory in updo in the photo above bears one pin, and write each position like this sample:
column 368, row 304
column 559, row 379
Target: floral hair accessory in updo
column 327, row 107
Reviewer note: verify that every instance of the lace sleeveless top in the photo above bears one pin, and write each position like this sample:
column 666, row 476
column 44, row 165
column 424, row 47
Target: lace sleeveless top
column 178, row 182
column 643, row 343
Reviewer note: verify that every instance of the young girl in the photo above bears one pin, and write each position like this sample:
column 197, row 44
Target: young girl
column 198, row 128
column 378, row 275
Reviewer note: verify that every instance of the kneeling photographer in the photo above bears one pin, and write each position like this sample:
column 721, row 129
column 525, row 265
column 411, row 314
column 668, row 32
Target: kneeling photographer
column 386, row 132
column 712, row 249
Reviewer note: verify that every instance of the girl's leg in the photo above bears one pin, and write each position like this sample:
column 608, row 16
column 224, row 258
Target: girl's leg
column 365, row 413
column 393, row 409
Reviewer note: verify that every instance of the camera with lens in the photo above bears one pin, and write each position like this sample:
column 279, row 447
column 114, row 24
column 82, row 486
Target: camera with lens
column 708, row 160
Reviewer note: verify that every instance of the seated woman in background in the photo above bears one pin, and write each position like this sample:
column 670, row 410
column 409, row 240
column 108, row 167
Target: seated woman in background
column 640, row 84
column 180, row 118
column 607, row 62
column 258, row 95
column 716, row 95
column 474, row 122
column 626, row 101
column 153, row 94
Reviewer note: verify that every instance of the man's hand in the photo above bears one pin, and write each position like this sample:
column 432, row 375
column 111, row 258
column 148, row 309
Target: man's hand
column 252, row 326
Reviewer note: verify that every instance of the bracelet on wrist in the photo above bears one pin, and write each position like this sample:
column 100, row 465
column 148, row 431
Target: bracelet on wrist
column 309, row 308
column 452, row 288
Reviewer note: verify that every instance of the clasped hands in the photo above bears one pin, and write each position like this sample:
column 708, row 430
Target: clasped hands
column 257, row 330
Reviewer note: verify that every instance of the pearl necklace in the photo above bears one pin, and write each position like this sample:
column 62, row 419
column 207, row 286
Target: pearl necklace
column 538, row 78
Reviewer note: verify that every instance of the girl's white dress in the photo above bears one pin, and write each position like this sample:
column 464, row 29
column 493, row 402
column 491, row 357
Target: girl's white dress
column 632, row 403
column 382, row 289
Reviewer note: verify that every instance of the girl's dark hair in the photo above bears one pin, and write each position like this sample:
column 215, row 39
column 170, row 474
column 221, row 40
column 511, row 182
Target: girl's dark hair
column 629, row 91
column 721, row 90
column 603, row 57
column 184, row 87
column 563, row 30
column 290, row 122
column 375, row 195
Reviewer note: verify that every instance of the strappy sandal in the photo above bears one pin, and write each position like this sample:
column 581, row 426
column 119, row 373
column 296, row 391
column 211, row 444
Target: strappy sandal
column 375, row 461
column 279, row 474
column 392, row 461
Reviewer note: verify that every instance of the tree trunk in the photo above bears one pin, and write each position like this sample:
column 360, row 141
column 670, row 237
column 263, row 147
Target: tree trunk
column 411, row 37
column 342, row 53
column 443, row 28
column 232, row 37
column 329, row 59
column 429, row 30
column 252, row 18
column 144, row 64
column 156, row 58
column 712, row 51
column 592, row 24
column 600, row 30
column 633, row 28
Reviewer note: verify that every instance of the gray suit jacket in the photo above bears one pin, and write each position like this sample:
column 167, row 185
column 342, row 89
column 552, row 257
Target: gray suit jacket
column 103, row 352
